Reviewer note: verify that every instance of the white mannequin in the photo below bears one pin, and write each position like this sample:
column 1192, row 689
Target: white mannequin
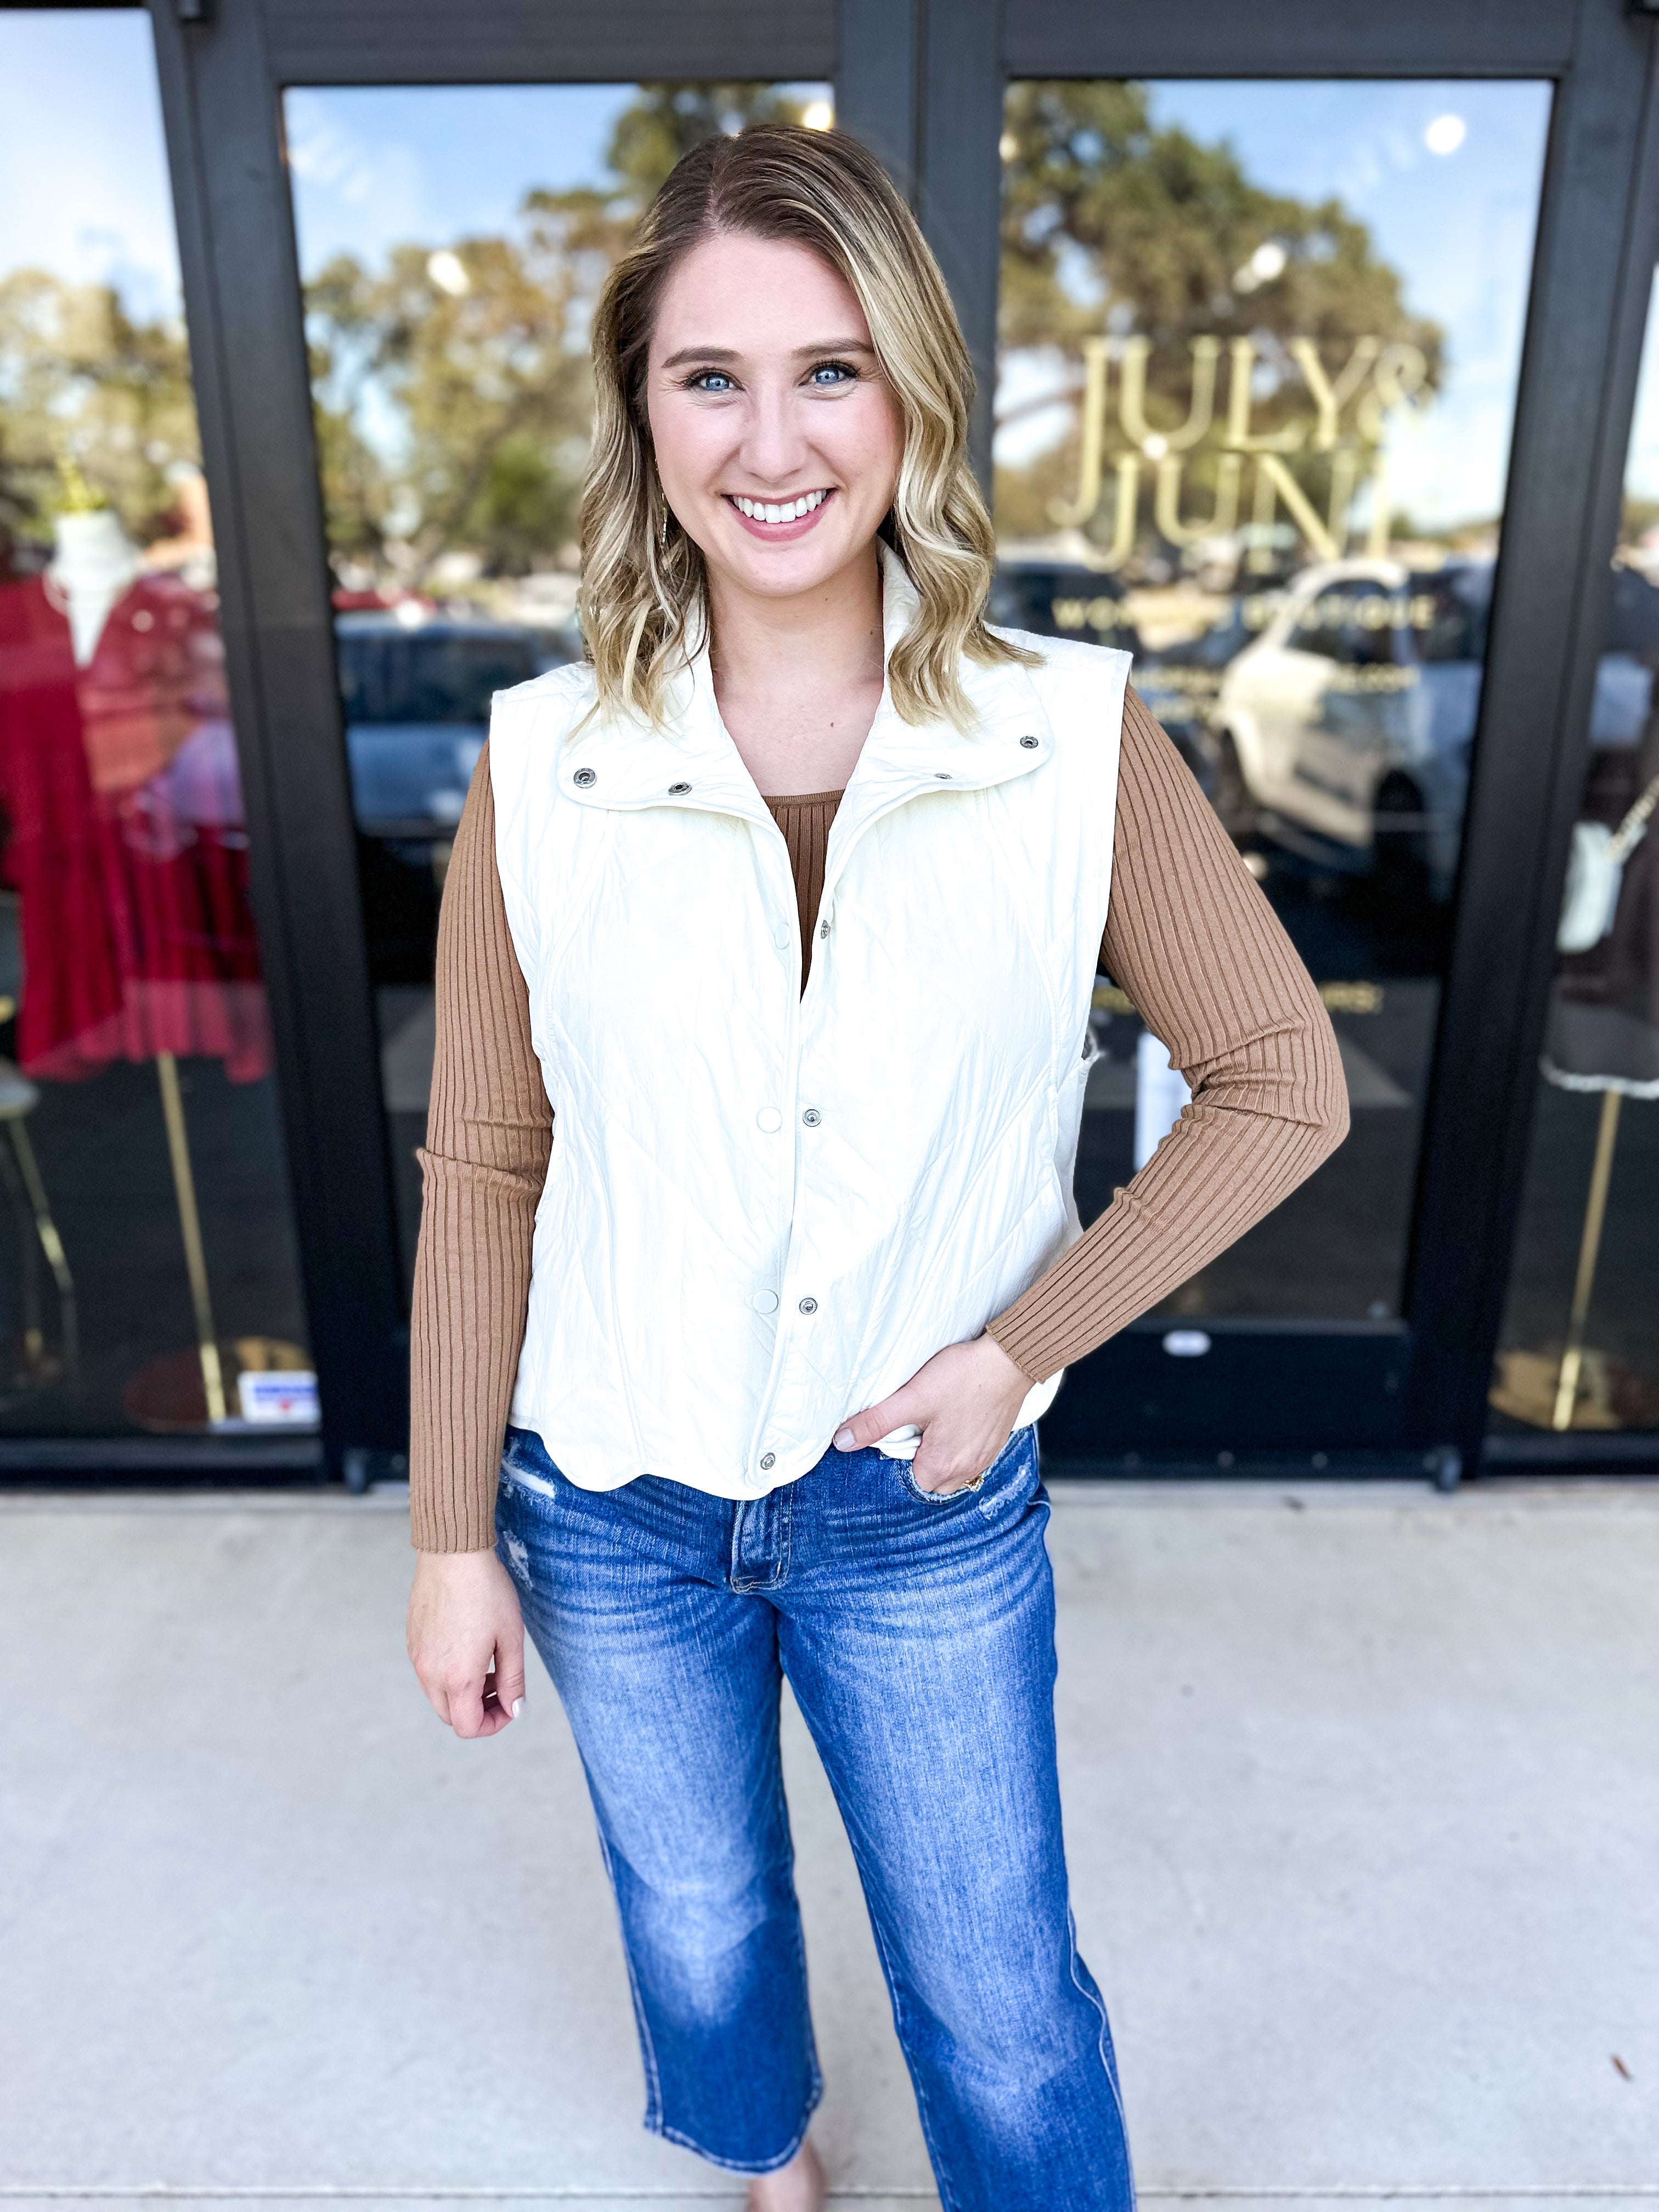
column 95, row 563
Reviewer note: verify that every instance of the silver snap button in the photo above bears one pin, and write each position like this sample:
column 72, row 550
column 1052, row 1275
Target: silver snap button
column 809, row 1305
column 823, row 929
column 765, row 1301
column 583, row 777
column 768, row 1119
column 770, row 1459
column 811, row 1117
column 679, row 790
column 942, row 775
column 1030, row 744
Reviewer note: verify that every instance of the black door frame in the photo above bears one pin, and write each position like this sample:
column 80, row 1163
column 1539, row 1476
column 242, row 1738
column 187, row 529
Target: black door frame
column 924, row 84
column 223, row 65
column 1415, row 1387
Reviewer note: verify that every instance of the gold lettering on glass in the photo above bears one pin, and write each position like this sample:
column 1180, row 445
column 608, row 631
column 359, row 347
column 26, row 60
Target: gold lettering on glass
column 1274, row 483
column 1374, row 379
column 1095, row 369
column 1166, row 501
column 1123, row 524
column 1132, row 399
column 1402, row 372
column 1331, row 398
column 1239, row 396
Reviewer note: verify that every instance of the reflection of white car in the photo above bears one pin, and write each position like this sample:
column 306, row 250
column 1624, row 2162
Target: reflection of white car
column 1348, row 723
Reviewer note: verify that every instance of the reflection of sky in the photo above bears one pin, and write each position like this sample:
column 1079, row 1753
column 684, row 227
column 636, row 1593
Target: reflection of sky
column 1457, row 226
column 377, row 168
column 383, row 165
column 83, row 180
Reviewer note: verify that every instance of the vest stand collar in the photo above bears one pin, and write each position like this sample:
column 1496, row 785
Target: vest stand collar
column 617, row 762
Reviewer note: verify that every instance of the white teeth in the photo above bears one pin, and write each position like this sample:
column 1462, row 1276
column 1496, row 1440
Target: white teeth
column 790, row 511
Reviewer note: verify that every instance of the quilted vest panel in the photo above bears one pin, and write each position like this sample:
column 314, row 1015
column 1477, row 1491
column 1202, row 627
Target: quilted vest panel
column 765, row 1210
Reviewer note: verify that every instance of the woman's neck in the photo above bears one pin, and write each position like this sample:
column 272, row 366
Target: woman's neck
column 799, row 680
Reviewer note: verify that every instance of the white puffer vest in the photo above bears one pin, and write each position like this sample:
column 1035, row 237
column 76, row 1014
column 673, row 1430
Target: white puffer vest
column 766, row 1209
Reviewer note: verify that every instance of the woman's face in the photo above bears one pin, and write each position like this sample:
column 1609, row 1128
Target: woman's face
column 764, row 394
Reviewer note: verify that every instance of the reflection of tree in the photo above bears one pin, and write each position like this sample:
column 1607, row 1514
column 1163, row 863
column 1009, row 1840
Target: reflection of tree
column 1112, row 223
column 478, row 351
column 667, row 120
column 487, row 387
column 79, row 375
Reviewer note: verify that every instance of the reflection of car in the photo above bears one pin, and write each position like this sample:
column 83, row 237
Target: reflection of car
column 417, row 698
column 1347, row 726
column 1060, row 599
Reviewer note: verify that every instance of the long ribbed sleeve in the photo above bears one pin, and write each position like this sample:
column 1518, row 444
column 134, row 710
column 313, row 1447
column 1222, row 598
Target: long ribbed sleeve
column 1207, row 965
column 488, row 1135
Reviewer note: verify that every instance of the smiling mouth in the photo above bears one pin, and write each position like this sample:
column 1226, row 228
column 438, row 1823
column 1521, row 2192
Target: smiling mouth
column 769, row 516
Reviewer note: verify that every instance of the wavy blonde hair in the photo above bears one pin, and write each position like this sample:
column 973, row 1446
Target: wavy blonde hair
column 643, row 602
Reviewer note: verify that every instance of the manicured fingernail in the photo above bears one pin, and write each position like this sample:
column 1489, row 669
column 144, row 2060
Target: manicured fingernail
column 844, row 1440
column 518, row 1707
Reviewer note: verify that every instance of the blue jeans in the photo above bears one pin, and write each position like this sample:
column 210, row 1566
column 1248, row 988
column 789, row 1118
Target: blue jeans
column 917, row 1633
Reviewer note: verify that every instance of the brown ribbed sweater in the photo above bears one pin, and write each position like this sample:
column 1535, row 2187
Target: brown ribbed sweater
column 1190, row 938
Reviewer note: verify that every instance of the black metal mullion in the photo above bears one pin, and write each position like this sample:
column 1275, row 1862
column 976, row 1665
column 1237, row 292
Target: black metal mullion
column 1293, row 38
column 877, row 96
column 254, row 401
column 960, row 200
column 1598, row 235
column 545, row 41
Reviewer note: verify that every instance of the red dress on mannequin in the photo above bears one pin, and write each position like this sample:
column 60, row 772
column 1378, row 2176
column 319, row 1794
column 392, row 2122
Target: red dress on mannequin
column 123, row 836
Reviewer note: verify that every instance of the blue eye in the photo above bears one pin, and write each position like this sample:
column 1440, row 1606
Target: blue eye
column 712, row 380
column 829, row 373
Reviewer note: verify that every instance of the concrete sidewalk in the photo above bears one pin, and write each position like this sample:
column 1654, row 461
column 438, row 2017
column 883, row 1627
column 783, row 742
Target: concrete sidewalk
column 1363, row 1801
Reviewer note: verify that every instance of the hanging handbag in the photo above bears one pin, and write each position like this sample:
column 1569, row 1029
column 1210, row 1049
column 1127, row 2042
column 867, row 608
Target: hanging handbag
column 1595, row 872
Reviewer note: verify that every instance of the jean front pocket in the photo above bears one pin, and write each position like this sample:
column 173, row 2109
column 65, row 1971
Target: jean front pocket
column 935, row 1498
column 987, row 1484
column 1012, row 1477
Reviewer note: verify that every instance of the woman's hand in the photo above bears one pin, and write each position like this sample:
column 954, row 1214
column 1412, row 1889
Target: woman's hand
column 464, row 1613
column 964, row 1402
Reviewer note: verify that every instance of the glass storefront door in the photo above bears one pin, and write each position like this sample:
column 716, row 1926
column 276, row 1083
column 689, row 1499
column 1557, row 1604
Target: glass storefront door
column 1258, row 352
column 452, row 240
column 1580, row 1349
column 1256, row 391
column 148, row 1275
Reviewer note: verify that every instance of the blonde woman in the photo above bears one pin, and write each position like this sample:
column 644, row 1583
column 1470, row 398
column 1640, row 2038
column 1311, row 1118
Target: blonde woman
column 764, row 980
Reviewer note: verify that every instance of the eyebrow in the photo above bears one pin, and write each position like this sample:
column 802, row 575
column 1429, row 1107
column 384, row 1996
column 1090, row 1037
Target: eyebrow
column 801, row 352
